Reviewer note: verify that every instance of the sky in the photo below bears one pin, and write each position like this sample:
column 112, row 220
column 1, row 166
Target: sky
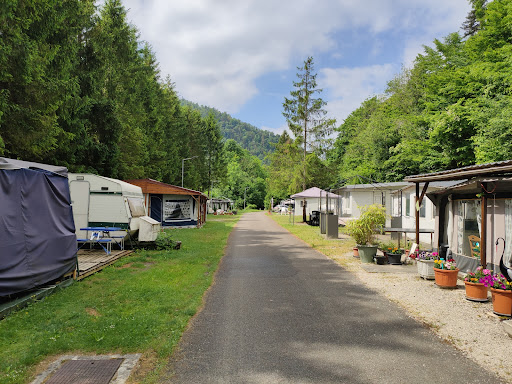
column 241, row 56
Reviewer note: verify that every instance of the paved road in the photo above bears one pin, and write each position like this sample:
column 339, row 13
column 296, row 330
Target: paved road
column 280, row 312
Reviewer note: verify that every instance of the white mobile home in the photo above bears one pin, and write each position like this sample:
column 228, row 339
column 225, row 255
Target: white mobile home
column 359, row 195
column 316, row 200
column 99, row 201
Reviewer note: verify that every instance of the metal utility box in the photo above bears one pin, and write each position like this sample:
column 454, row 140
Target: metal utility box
column 323, row 225
column 148, row 229
column 332, row 226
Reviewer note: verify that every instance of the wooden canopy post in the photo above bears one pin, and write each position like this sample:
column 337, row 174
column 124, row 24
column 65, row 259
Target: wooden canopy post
column 419, row 199
column 417, row 213
column 483, row 235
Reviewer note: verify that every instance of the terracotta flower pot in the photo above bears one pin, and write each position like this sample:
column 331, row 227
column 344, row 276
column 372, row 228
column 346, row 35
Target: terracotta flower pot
column 501, row 302
column 476, row 291
column 446, row 278
column 356, row 252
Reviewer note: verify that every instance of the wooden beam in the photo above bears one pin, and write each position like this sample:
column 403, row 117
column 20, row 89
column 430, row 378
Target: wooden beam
column 483, row 235
column 425, row 186
column 417, row 214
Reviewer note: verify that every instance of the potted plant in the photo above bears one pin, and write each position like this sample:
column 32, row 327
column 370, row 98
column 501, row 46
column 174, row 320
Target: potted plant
column 394, row 256
column 381, row 259
column 501, row 290
column 476, row 290
column 363, row 230
column 425, row 264
column 445, row 273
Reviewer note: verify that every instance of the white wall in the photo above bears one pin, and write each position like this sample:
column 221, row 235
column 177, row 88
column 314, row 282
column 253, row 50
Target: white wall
column 313, row 204
column 427, row 218
column 353, row 199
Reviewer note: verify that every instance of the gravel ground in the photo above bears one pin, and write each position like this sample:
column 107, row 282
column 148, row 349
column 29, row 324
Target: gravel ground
column 469, row 326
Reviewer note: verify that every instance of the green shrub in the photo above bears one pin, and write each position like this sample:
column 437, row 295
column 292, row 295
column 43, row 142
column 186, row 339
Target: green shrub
column 371, row 222
column 165, row 241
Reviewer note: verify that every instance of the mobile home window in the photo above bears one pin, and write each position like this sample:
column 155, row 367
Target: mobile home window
column 423, row 209
column 407, row 205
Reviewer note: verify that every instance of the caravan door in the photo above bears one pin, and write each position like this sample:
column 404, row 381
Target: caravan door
column 79, row 191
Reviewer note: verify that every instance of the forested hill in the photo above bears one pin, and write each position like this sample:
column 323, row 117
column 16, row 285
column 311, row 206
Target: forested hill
column 257, row 141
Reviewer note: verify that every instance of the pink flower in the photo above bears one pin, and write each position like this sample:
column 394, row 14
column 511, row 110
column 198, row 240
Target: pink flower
column 486, row 272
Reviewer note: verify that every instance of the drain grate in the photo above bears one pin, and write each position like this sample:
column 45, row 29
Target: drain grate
column 85, row 372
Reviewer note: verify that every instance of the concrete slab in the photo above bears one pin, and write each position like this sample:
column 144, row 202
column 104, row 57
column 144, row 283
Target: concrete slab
column 507, row 326
column 388, row 268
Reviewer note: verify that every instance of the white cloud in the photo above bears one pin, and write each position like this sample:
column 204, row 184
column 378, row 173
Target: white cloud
column 278, row 131
column 347, row 88
column 215, row 50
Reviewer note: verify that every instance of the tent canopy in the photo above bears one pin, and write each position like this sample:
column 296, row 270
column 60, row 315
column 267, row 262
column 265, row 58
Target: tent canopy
column 37, row 234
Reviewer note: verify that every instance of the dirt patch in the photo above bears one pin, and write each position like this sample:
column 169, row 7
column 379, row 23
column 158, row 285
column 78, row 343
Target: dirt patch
column 128, row 265
column 92, row 312
column 146, row 365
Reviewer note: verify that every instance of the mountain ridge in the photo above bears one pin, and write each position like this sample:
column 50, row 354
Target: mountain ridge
column 257, row 141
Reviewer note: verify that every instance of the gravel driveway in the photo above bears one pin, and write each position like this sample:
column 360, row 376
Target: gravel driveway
column 471, row 327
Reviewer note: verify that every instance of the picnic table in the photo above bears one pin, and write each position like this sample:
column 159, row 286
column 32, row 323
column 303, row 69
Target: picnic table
column 405, row 231
column 103, row 236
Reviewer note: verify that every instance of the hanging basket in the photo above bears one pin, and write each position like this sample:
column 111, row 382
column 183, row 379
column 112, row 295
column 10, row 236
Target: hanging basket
column 502, row 302
column 446, row 278
column 476, row 291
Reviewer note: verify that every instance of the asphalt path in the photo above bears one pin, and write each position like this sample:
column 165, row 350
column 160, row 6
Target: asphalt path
column 280, row 312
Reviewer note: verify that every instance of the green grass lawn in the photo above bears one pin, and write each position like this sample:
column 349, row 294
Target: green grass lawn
column 335, row 249
column 141, row 304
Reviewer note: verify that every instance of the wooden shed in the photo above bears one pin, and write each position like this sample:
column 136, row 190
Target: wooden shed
column 171, row 205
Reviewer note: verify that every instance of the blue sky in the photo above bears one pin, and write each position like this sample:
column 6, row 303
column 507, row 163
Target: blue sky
column 241, row 56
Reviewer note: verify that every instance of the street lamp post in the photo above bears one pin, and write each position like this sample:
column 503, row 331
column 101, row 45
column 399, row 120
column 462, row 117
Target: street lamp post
column 183, row 167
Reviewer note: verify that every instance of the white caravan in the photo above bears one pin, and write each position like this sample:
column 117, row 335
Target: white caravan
column 99, row 201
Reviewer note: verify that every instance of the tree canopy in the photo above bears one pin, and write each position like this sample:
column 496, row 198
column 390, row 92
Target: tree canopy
column 79, row 88
column 451, row 109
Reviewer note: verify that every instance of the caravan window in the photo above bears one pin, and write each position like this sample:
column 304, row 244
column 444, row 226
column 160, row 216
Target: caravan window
column 137, row 208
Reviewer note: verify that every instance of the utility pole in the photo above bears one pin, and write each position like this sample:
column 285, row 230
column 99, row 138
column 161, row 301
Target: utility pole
column 183, row 167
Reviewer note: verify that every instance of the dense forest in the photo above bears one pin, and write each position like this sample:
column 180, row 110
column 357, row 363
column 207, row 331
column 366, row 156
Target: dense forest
column 78, row 88
column 257, row 141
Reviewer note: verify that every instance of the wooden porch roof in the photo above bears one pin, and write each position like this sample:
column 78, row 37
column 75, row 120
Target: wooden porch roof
column 157, row 187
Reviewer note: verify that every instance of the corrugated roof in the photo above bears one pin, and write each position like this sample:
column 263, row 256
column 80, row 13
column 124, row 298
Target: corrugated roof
column 437, row 184
column 496, row 168
column 392, row 185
